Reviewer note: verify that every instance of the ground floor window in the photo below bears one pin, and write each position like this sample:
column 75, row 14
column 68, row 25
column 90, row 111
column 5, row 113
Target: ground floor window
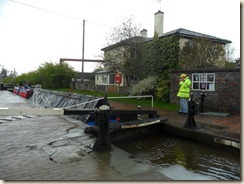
column 111, row 79
column 203, row 81
column 104, row 79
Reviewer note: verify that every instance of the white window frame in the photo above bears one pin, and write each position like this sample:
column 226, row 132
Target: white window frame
column 104, row 78
column 203, row 81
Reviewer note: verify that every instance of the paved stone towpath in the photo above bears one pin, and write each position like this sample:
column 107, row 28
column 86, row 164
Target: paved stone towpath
column 56, row 148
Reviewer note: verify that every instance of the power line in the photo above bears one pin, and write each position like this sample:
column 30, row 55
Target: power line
column 57, row 13
column 49, row 11
column 64, row 15
column 99, row 24
column 73, row 33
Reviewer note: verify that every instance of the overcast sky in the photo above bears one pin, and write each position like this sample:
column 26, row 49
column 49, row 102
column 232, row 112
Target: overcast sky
column 35, row 31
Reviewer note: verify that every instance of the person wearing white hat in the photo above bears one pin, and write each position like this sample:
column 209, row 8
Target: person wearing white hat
column 184, row 93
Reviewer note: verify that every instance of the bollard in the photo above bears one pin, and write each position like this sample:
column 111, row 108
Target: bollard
column 192, row 110
column 103, row 141
column 201, row 109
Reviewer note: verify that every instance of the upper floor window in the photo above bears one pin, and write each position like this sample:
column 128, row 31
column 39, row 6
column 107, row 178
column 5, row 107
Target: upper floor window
column 134, row 78
column 203, row 81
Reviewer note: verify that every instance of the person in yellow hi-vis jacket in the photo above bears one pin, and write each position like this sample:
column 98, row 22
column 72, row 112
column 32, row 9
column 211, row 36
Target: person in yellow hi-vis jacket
column 184, row 93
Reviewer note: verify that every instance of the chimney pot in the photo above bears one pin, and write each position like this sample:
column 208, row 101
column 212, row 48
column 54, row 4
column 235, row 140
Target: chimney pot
column 143, row 33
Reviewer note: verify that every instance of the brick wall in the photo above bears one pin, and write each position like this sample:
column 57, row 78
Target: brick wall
column 225, row 98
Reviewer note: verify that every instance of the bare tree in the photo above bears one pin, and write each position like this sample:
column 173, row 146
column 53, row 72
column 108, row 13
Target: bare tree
column 124, row 51
column 127, row 30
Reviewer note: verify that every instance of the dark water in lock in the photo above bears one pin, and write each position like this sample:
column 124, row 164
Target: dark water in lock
column 181, row 159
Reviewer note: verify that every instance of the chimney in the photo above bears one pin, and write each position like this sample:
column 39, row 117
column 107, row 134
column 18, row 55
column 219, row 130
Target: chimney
column 143, row 33
column 158, row 23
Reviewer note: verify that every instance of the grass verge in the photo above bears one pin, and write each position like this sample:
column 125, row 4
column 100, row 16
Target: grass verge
column 142, row 102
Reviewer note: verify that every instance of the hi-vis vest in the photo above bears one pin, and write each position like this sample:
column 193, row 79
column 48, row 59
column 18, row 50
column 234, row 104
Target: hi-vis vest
column 185, row 87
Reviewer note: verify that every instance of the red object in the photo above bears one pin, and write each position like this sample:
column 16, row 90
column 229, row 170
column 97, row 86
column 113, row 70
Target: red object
column 24, row 93
column 118, row 78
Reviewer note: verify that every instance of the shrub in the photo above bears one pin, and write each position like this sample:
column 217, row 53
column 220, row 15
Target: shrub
column 144, row 87
column 162, row 90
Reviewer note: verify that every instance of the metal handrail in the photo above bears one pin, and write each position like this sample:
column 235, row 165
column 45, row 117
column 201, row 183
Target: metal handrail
column 119, row 97
column 83, row 103
column 144, row 96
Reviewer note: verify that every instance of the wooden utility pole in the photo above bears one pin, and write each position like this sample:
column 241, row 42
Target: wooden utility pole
column 83, row 52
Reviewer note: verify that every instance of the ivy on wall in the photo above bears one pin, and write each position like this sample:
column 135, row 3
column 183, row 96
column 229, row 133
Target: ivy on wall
column 161, row 55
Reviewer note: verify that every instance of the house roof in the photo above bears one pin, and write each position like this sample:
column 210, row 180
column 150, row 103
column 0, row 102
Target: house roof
column 178, row 32
column 192, row 34
column 135, row 39
column 105, row 72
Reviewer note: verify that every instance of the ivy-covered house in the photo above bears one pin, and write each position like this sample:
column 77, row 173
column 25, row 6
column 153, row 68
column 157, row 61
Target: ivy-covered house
column 172, row 42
